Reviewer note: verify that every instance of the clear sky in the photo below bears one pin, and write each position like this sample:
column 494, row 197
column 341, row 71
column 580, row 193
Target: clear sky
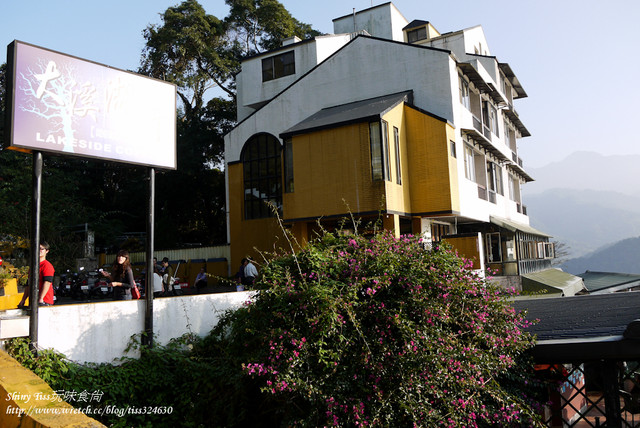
column 577, row 60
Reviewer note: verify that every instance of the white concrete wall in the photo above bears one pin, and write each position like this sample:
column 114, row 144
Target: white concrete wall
column 364, row 68
column 253, row 91
column 99, row 332
column 384, row 21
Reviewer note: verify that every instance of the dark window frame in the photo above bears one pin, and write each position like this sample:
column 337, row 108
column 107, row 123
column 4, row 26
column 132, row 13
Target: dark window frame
column 277, row 66
column 262, row 176
column 417, row 34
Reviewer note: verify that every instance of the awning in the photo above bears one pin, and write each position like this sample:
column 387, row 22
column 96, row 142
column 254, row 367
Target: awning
column 514, row 227
column 552, row 281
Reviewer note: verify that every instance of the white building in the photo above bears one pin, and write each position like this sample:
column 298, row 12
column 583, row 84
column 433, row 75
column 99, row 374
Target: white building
column 384, row 117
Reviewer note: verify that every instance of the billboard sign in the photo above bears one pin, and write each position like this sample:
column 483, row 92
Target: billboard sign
column 62, row 104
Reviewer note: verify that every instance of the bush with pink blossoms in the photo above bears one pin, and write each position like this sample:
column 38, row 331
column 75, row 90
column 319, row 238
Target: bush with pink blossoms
column 378, row 331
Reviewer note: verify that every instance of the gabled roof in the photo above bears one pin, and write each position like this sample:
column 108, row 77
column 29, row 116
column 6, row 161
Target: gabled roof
column 554, row 281
column 355, row 112
column 414, row 24
column 609, row 282
column 582, row 328
column 337, row 52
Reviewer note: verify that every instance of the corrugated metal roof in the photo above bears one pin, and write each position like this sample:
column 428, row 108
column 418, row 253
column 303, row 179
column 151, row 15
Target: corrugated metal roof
column 554, row 281
column 513, row 226
column 609, row 282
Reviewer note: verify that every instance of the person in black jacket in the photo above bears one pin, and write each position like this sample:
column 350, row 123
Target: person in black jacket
column 121, row 277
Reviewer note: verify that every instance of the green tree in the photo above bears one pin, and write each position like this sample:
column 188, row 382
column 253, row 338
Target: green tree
column 263, row 25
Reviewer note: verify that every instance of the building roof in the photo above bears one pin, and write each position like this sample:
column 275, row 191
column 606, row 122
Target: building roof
column 553, row 281
column 344, row 114
column 513, row 226
column 587, row 327
column 415, row 23
column 609, row 282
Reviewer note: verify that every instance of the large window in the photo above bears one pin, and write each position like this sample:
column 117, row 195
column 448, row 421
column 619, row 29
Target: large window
column 490, row 117
column 288, row 166
column 262, row 176
column 494, row 176
column 396, row 143
column 278, row 66
column 494, row 248
column 469, row 163
column 464, row 92
column 379, row 142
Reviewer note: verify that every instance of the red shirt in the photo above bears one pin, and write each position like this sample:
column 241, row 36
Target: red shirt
column 46, row 273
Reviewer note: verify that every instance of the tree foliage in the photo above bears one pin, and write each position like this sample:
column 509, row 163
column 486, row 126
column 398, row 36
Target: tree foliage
column 380, row 332
column 200, row 53
column 351, row 331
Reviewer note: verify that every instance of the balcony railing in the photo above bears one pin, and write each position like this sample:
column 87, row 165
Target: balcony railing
column 477, row 124
column 492, row 196
column 482, row 192
column 517, row 159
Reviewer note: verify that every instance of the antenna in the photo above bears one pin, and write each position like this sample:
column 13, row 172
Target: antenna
column 354, row 19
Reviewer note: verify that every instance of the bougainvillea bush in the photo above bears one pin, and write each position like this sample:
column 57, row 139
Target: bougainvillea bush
column 379, row 331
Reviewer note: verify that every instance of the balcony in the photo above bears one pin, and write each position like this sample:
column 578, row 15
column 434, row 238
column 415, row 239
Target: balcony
column 513, row 116
column 516, row 159
column 482, row 192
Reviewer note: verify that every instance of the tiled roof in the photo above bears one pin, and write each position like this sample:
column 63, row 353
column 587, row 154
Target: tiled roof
column 584, row 327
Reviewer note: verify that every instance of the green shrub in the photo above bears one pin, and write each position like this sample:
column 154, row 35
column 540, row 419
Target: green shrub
column 356, row 331
column 351, row 331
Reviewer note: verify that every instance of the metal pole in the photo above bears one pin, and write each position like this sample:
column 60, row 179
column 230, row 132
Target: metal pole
column 147, row 339
column 34, row 277
column 611, row 392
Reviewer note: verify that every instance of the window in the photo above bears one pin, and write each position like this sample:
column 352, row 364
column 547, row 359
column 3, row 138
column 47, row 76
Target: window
column 385, row 150
column 378, row 138
column 494, row 176
column 288, row 166
column 262, row 176
column 549, row 250
column 490, row 117
column 512, row 188
column 439, row 231
column 396, row 143
column 452, row 147
column 278, row 66
column 464, row 92
column 417, row 34
column 494, row 249
column 469, row 163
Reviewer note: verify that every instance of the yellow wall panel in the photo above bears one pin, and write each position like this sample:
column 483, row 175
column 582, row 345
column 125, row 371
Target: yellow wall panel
column 332, row 174
column 398, row 196
column 430, row 164
column 248, row 237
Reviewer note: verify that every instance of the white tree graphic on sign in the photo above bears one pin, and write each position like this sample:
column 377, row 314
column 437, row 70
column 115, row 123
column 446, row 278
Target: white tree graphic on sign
column 55, row 95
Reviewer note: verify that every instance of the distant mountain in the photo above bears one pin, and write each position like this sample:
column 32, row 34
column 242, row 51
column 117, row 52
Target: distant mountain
column 586, row 201
column 621, row 257
column 585, row 220
column 588, row 170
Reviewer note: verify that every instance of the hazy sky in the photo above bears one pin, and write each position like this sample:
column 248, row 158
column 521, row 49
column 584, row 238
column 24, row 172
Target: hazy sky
column 575, row 59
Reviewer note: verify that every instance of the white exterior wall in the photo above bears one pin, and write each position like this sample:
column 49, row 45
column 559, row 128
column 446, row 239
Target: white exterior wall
column 100, row 332
column 361, row 70
column 384, row 21
column 308, row 54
